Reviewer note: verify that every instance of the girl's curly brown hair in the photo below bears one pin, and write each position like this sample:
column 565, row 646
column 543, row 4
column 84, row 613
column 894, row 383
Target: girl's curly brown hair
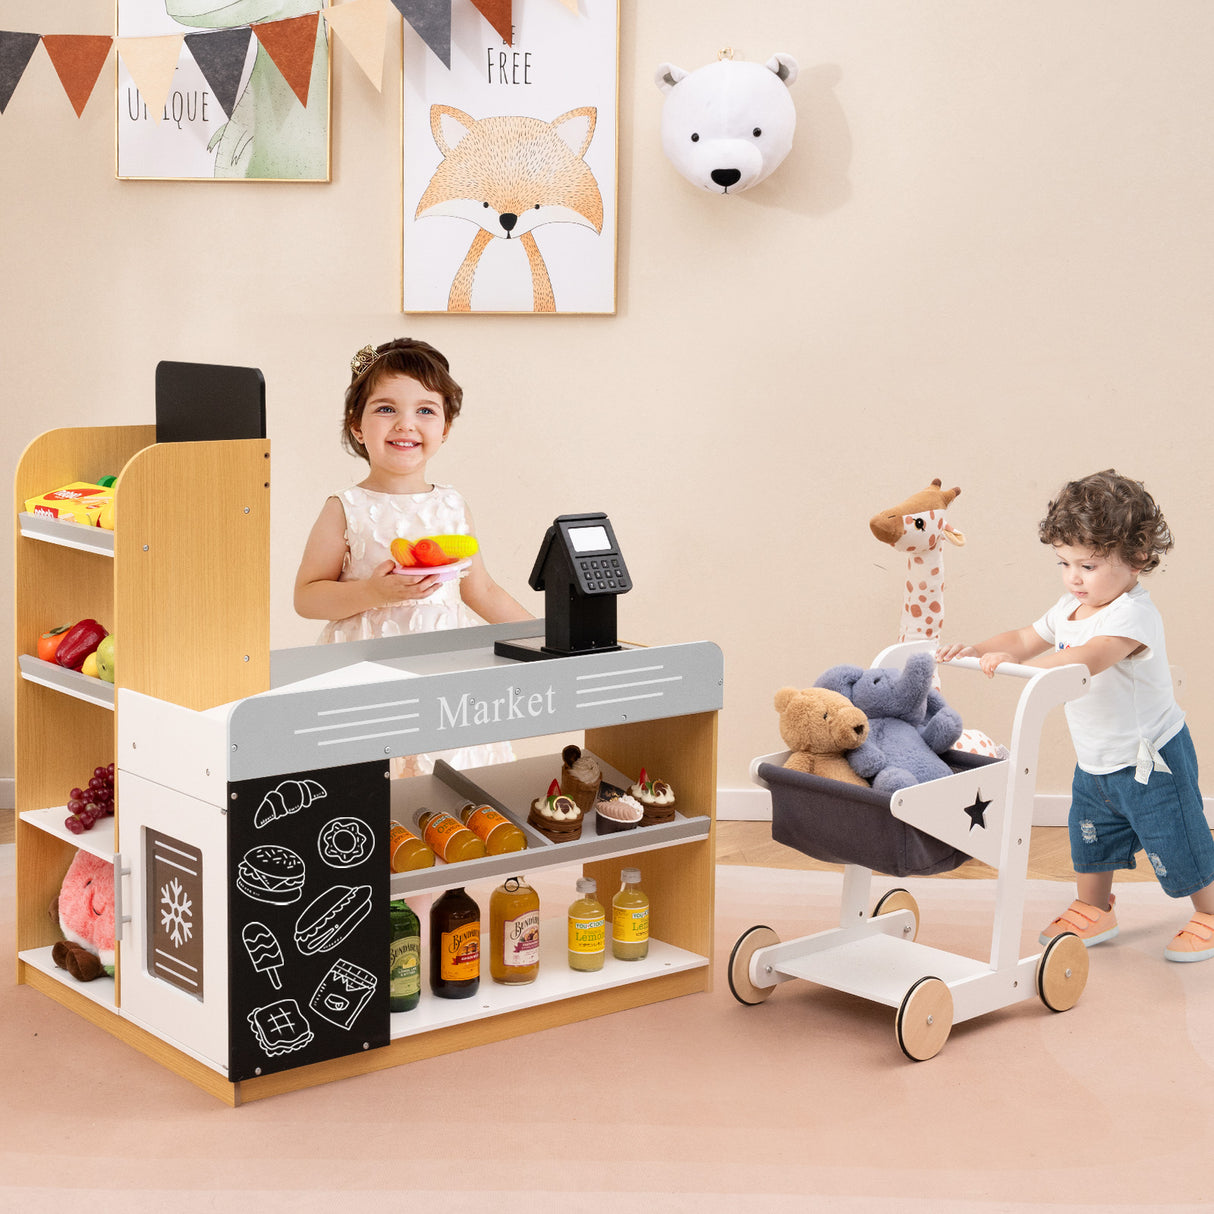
column 1111, row 514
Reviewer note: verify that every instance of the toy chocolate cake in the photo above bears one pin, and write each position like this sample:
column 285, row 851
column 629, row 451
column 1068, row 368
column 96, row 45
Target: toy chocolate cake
column 556, row 816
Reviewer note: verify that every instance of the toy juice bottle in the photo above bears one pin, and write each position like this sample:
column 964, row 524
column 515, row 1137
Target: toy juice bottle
column 455, row 946
column 514, row 933
column 404, row 958
column 451, row 840
column 630, row 918
column 587, row 928
column 407, row 850
column 495, row 830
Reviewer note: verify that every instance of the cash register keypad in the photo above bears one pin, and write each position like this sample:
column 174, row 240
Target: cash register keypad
column 603, row 573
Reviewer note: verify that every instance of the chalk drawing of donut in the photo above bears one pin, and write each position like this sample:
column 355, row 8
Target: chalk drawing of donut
column 345, row 842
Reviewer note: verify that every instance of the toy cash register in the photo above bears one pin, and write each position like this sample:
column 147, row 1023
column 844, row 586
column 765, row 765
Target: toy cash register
column 581, row 571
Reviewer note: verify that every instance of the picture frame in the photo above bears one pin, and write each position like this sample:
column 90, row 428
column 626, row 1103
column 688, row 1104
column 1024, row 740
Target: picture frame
column 230, row 113
column 534, row 124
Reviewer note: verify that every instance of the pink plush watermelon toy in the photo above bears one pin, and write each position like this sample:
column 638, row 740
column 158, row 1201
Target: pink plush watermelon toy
column 86, row 918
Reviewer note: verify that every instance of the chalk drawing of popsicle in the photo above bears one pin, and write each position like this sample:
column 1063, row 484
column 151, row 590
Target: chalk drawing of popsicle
column 264, row 950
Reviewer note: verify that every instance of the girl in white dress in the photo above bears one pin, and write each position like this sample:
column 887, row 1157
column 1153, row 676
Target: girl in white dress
column 399, row 408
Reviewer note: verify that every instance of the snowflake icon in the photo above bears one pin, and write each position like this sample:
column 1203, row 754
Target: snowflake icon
column 176, row 913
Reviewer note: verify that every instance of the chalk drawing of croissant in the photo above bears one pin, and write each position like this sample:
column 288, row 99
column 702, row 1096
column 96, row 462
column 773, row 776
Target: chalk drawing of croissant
column 289, row 797
column 509, row 175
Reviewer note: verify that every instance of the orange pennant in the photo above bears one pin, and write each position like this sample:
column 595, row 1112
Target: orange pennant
column 499, row 15
column 291, row 44
column 78, row 59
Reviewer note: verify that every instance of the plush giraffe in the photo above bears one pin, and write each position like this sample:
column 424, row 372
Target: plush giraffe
column 919, row 528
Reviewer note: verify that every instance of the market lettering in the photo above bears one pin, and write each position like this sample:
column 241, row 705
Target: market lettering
column 514, row 706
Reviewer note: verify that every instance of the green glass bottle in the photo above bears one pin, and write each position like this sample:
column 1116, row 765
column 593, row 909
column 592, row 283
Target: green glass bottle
column 405, row 958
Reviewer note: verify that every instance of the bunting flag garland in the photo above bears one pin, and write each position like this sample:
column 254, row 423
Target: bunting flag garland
column 78, row 59
column 361, row 27
column 431, row 21
column 291, row 43
column 220, row 57
column 220, row 53
column 152, row 63
column 15, row 53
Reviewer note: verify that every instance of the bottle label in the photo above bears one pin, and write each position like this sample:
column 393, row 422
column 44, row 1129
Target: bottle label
column 484, row 820
column 630, row 924
column 461, row 953
column 587, row 934
column 439, row 831
column 404, row 967
column 521, row 940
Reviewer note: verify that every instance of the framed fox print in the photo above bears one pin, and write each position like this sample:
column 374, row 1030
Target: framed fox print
column 509, row 163
column 223, row 90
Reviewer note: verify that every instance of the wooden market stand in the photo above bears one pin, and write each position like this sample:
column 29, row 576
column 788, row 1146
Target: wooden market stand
column 207, row 727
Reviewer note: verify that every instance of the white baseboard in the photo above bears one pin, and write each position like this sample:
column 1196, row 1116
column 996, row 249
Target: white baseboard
column 8, row 792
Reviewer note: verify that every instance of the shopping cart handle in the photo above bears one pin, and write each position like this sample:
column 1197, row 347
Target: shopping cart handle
column 1015, row 669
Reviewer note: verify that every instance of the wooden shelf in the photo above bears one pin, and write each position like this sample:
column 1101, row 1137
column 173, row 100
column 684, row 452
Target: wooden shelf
column 99, row 840
column 100, row 991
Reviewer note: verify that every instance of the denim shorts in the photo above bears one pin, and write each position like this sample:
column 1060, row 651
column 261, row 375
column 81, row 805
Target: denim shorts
column 1112, row 816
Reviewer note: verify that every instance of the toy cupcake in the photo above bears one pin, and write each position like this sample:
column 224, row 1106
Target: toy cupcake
column 656, row 798
column 616, row 811
column 556, row 816
column 580, row 777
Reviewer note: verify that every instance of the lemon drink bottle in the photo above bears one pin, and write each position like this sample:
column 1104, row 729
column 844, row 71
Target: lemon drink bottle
column 587, row 929
column 630, row 918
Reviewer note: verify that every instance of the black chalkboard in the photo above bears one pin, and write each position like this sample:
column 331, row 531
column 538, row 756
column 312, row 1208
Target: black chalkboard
column 308, row 917
column 202, row 402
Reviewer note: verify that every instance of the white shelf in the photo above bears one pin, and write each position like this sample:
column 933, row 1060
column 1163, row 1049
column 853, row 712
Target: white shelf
column 510, row 788
column 100, row 991
column 99, row 840
column 70, row 682
column 80, row 536
column 556, row 981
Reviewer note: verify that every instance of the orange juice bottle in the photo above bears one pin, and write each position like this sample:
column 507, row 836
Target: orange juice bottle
column 451, row 840
column 495, row 830
column 407, row 850
column 514, row 933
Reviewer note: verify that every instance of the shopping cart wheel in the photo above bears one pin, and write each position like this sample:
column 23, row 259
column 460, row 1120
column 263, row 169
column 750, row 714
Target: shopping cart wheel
column 925, row 1019
column 896, row 900
column 1062, row 972
column 749, row 943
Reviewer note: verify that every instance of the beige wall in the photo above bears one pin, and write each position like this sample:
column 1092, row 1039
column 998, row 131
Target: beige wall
column 988, row 259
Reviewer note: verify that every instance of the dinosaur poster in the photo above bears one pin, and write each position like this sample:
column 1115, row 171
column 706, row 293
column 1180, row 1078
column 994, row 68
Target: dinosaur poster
column 230, row 112
column 509, row 165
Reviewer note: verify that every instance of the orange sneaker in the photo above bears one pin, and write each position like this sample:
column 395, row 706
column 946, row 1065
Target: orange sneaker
column 1194, row 941
column 1089, row 923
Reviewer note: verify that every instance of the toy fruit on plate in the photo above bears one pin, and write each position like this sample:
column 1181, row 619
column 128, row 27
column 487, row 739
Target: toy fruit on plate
column 433, row 550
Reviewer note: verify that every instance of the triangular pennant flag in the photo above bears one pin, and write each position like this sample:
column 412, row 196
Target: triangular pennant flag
column 15, row 52
column 78, row 59
column 220, row 56
column 431, row 19
column 152, row 63
column 291, row 43
column 362, row 27
column 499, row 14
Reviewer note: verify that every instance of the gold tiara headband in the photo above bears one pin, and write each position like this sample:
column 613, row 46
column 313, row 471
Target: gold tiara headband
column 363, row 360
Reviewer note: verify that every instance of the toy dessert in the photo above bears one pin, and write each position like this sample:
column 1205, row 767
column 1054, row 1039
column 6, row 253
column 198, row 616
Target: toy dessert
column 581, row 776
column 656, row 798
column 556, row 816
column 617, row 812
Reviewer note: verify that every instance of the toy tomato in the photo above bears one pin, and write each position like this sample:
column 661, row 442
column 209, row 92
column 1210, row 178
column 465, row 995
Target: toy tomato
column 48, row 642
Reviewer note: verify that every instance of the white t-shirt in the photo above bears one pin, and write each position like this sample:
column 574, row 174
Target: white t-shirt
column 1129, row 711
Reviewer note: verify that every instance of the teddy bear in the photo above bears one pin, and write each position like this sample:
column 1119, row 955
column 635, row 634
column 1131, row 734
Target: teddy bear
column 85, row 913
column 819, row 726
column 728, row 125
column 909, row 724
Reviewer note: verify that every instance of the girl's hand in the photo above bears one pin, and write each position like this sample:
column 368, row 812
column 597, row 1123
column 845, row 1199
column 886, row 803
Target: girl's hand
column 388, row 588
column 955, row 651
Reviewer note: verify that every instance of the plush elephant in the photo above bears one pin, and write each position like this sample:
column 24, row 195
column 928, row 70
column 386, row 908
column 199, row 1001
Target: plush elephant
column 909, row 724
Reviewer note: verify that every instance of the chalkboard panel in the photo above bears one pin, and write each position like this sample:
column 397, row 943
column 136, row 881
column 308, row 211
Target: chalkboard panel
column 203, row 402
column 308, row 900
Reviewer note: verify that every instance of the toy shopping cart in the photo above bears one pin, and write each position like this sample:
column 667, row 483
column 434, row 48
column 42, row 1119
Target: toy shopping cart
column 984, row 810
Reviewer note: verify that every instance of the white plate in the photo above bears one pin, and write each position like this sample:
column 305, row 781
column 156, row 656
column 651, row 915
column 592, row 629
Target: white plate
column 444, row 573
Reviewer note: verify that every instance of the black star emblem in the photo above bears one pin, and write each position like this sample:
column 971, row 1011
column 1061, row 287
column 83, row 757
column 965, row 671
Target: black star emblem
column 977, row 811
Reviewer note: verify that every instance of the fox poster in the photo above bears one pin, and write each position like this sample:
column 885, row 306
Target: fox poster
column 509, row 163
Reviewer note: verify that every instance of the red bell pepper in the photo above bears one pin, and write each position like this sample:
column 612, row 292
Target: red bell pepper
column 78, row 642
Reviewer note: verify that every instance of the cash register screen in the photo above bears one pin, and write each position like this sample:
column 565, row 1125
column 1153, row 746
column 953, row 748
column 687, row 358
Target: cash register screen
column 589, row 539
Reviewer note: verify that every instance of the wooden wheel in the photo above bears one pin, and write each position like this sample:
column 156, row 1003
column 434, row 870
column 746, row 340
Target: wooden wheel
column 896, row 900
column 925, row 1019
column 1062, row 972
column 749, row 943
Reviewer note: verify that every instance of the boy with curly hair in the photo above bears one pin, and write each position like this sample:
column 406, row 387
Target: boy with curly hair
column 1135, row 783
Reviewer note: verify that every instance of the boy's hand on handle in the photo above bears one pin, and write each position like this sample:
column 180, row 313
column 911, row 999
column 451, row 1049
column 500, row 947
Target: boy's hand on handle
column 389, row 587
column 989, row 661
column 948, row 652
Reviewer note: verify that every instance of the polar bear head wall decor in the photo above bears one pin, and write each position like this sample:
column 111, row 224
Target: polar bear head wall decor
column 728, row 125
